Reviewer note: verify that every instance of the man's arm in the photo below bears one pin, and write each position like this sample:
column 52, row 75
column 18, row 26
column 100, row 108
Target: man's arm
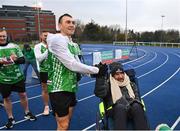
column 40, row 56
column 17, row 60
column 20, row 60
column 13, row 59
column 60, row 49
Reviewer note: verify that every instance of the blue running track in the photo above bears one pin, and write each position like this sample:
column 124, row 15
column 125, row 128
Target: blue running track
column 158, row 72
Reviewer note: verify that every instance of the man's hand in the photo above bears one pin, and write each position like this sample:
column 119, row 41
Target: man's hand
column 13, row 57
column 6, row 61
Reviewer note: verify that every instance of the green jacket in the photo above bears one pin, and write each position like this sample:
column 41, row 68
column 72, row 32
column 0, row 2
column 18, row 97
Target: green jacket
column 29, row 55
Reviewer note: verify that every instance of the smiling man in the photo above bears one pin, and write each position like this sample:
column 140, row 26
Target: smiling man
column 11, row 77
column 65, row 65
column 121, row 97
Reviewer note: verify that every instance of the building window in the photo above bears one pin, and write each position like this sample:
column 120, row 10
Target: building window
column 12, row 14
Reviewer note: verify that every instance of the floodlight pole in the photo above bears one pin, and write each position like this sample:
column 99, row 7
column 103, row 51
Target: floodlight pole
column 162, row 21
column 162, row 16
column 39, row 22
column 126, row 35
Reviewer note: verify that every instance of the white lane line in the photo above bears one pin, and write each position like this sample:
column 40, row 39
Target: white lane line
column 30, row 98
column 20, row 121
column 167, row 58
column 40, row 84
column 176, row 123
column 89, row 127
column 162, row 83
column 32, row 86
column 86, row 98
column 145, row 54
column 177, row 55
column 86, row 83
column 147, row 61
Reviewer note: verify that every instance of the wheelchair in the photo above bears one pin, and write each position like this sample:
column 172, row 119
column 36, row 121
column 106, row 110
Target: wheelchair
column 105, row 122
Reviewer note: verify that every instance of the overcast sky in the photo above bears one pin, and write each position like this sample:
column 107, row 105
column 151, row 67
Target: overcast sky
column 142, row 15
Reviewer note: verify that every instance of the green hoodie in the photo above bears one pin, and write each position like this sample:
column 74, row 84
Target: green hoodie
column 29, row 54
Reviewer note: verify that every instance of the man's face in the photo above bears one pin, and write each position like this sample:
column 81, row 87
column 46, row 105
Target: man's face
column 3, row 37
column 67, row 26
column 119, row 76
column 44, row 36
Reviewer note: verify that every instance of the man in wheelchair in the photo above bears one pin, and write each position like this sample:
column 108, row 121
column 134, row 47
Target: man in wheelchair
column 119, row 92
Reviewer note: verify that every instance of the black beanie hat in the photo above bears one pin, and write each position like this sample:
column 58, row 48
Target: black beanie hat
column 26, row 46
column 116, row 67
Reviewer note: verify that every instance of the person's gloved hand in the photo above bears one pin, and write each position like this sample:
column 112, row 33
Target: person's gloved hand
column 103, row 70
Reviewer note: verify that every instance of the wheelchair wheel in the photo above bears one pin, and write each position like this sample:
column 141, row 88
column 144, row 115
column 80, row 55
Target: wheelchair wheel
column 98, row 121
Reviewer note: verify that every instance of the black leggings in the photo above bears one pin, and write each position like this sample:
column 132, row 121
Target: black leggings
column 136, row 113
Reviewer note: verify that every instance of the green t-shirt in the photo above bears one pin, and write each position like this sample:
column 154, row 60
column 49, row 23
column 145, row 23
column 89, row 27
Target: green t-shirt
column 11, row 73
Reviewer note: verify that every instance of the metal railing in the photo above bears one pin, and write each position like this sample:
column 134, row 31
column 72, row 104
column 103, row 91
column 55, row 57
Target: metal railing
column 160, row 44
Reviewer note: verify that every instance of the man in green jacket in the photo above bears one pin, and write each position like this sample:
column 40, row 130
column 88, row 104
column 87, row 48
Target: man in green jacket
column 29, row 59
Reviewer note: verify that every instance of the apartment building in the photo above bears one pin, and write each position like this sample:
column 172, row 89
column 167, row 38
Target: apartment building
column 25, row 23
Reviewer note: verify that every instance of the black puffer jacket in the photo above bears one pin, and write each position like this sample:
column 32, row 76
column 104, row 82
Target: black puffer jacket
column 103, row 91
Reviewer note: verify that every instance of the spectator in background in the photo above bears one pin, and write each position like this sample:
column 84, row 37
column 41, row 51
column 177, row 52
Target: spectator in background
column 29, row 59
column 41, row 53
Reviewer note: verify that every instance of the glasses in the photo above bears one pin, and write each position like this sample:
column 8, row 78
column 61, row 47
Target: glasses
column 3, row 36
column 69, row 22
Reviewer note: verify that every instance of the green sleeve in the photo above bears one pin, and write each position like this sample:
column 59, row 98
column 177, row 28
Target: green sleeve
column 18, row 51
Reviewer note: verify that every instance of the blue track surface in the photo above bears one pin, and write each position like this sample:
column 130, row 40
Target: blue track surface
column 158, row 72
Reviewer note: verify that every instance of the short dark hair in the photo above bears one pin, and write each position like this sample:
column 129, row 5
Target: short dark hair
column 26, row 45
column 60, row 18
column 44, row 31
